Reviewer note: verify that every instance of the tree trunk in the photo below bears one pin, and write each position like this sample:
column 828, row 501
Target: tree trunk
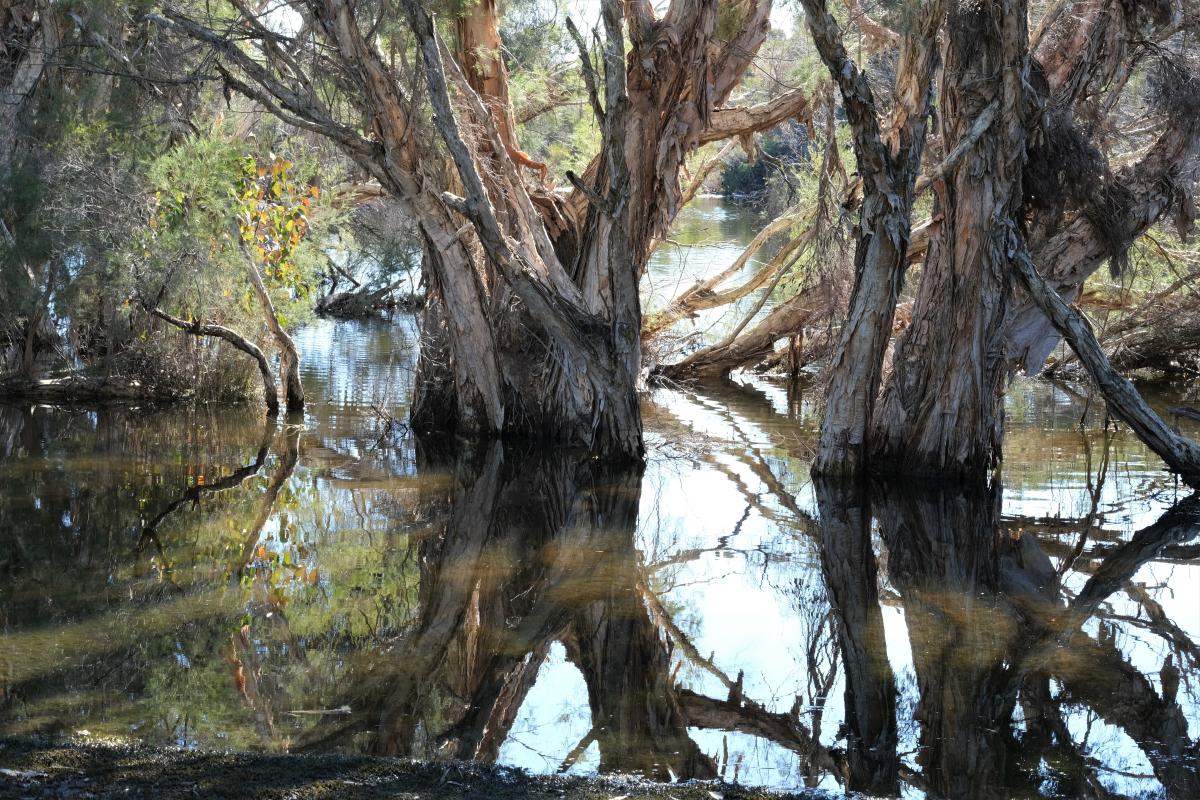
column 536, row 296
column 39, row 325
column 888, row 163
column 941, row 412
column 1108, row 208
column 289, row 358
column 26, row 73
column 198, row 328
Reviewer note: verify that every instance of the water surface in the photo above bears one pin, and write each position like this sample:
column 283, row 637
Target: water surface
column 204, row 578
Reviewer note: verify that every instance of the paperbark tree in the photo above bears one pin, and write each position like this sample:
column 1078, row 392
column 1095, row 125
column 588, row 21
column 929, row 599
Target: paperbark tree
column 940, row 411
column 534, row 305
column 1084, row 212
column 888, row 153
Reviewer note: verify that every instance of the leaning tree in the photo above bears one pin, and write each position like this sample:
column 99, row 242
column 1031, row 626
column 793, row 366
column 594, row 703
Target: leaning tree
column 532, row 323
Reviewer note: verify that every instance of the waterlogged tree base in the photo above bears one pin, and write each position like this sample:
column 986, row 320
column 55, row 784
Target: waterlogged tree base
column 67, row 768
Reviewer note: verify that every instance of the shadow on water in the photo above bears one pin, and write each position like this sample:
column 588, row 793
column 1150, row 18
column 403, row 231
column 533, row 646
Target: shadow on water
column 208, row 580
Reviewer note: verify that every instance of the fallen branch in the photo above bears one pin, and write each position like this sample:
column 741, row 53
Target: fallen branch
column 198, row 328
column 1179, row 453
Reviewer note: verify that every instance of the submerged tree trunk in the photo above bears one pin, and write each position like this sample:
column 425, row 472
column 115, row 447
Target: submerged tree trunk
column 944, row 560
column 538, row 315
column 941, row 411
column 888, row 160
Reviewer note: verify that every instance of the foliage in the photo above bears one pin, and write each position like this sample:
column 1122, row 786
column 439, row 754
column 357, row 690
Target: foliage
column 783, row 149
column 272, row 217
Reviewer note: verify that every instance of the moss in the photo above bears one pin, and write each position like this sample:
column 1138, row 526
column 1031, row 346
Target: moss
column 64, row 768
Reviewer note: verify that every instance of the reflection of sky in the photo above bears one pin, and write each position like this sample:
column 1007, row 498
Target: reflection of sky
column 706, row 237
column 722, row 531
column 737, row 599
column 553, row 719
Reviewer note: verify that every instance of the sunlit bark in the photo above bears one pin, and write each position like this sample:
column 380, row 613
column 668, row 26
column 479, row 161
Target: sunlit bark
column 941, row 410
column 888, row 153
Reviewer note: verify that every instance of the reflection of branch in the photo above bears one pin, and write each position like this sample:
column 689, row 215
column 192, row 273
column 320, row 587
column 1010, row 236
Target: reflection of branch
column 1095, row 490
column 664, row 620
column 287, row 463
column 1066, row 750
column 738, row 712
column 784, row 730
column 1094, row 672
column 578, row 750
column 1160, row 624
column 192, row 494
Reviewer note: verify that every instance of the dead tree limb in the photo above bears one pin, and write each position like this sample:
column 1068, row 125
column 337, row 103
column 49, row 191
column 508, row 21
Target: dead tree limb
column 1179, row 453
column 198, row 328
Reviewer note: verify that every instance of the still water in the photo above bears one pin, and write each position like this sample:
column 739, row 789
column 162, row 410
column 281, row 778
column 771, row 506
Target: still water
column 204, row 579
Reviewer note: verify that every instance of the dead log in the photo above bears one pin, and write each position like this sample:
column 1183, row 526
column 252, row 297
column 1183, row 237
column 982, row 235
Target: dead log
column 364, row 302
column 753, row 345
column 76, row 388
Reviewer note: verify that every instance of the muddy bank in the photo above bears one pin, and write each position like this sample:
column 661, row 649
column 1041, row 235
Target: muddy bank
column 58, row 768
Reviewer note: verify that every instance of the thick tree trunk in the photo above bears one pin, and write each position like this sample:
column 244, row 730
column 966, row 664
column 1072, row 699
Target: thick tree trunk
column 941, row 411
column 1086, row 58
column 538, row 295
column 33, row 25
column 888, row 162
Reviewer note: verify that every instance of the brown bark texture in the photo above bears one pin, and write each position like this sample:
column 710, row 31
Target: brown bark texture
column 537, row 325
column 941, row 409
column 888, row 152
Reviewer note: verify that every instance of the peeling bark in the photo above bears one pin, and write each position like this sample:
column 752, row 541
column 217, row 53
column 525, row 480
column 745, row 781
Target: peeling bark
column 889, row 157
column 941, row 412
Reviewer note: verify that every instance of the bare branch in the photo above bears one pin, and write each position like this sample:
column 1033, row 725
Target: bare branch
column 589, row 73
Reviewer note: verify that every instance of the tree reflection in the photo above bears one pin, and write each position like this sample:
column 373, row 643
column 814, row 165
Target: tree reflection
column 848, row 561
column 999, row 648
column 536, row 549
column 254, row 587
